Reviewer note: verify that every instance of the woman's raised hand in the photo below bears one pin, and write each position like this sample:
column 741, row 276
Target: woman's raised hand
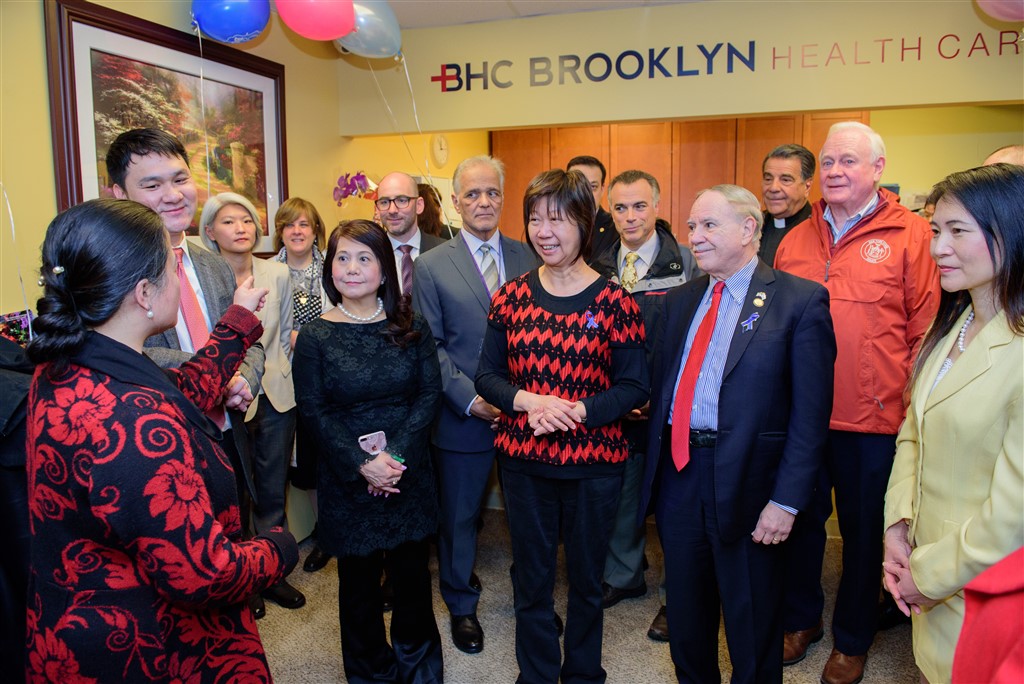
column 252, row 298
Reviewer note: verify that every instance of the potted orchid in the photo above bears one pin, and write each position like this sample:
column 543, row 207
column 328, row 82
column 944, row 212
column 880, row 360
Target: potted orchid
column 354, row 185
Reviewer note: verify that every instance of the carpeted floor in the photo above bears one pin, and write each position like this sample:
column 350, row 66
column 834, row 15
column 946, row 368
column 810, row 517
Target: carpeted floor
column 303, row 645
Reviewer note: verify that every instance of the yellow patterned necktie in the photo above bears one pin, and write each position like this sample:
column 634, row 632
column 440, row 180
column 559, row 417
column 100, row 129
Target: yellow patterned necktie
column 629, row 277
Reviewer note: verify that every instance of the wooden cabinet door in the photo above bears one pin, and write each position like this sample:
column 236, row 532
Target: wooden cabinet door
column 704, row 154
column 647, row 147
column 572, row 141
column 525, row 153
column 815, row 130
column 755, row 138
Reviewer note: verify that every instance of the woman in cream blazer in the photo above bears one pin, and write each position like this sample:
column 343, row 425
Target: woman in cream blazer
column 955, row 503
column 230, row 226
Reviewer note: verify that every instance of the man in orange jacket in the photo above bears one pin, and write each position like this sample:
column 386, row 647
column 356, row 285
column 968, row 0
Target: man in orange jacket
column 871, row 254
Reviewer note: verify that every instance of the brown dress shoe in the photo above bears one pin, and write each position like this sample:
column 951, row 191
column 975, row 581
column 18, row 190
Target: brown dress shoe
column 659, row 627
column 794, row 644
column 843, row 669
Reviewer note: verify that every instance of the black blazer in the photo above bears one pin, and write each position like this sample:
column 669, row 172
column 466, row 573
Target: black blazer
column 774, row 402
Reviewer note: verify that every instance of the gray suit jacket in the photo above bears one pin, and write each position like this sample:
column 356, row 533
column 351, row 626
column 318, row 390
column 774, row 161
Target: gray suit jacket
column 218, row 284
column 450, row 293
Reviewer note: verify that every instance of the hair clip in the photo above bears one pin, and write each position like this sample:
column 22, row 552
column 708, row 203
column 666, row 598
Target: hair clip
column 57, row 270
column 40, row 282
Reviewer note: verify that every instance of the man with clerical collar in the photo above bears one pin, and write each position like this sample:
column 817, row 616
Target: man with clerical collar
column 786, row 176
column 604, row 234
column 399, row 205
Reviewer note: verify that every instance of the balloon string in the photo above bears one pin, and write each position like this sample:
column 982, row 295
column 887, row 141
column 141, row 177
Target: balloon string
column 394, row 123
column 416, row 117
column 202, row 106
column 17, row 261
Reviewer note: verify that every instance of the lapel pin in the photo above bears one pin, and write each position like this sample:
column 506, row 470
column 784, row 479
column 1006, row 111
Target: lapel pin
column 748, row 324
column 759, row 299
column 591, row 323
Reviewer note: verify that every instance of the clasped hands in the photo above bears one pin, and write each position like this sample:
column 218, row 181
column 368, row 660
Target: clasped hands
column 382, row 475
column 896, row 575
column 547, row 413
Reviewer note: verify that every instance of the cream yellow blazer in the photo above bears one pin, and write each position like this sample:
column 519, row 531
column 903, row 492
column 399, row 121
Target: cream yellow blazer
column 277, row 316
column 958, row 477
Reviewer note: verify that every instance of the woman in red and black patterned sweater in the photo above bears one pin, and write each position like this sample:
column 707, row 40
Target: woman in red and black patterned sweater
column 563, row 358
column 139, row 573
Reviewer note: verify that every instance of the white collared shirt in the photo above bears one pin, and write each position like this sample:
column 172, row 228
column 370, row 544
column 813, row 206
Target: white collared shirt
column 413, row 242
column 646, row 255
column 473, row 242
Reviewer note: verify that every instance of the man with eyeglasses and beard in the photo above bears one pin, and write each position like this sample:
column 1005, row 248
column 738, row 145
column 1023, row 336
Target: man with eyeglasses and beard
column 399, row 205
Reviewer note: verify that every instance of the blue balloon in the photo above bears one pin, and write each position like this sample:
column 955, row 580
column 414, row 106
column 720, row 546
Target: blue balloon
column 376, row 35
column 231, row 21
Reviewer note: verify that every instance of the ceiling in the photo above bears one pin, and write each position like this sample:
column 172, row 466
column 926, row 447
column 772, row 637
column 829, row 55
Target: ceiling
column 423, row 13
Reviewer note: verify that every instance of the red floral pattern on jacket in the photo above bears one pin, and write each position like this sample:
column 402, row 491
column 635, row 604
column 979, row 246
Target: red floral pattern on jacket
column 139, row 573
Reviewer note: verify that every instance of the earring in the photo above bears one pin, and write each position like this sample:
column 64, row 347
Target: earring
column 381, row 281
column 149, row 313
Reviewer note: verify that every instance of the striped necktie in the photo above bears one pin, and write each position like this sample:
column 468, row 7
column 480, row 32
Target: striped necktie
column 489, row 268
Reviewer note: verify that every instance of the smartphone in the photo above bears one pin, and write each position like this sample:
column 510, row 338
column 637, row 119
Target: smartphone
column 373, row 443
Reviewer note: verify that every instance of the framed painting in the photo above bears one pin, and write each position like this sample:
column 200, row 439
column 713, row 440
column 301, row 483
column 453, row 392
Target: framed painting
column 110, row 72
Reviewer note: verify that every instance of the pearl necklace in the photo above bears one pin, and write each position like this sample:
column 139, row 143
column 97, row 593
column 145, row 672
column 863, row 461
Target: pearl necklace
column 363, row 319
column 963, row 332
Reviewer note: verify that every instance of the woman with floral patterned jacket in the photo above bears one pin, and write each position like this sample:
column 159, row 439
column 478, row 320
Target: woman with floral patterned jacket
column 139, row 572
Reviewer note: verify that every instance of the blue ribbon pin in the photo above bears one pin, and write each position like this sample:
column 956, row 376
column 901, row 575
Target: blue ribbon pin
column 748, row 324
column 591, row 323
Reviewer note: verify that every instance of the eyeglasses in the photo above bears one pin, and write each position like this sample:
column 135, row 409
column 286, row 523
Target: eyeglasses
column 401, row 202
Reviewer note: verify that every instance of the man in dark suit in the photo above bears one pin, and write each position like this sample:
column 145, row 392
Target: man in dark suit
column 742, row 390
column 151, row 167
column 454, row 285
column 399, row 204
column 604, row 234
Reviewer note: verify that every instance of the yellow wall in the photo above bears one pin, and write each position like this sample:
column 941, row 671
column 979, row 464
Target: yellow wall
column 317, row 155
column 923, row 146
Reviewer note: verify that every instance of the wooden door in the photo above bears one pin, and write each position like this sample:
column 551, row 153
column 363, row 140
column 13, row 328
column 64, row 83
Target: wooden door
column 755, row 138
column 525, row 153
column 647, row 147
column 704, row 154
column 572, row 141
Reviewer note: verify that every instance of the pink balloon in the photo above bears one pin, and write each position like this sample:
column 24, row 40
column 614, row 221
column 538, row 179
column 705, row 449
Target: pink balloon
column 1003, row 10
column 318, row 19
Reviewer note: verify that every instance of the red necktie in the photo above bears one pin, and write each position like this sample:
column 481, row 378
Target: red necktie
column 190, row 309
column 688, row 383
column 196, row 324
column 406, row 251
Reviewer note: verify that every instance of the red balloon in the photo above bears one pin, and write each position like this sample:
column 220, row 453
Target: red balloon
column 318, row 19
column 1003, row 10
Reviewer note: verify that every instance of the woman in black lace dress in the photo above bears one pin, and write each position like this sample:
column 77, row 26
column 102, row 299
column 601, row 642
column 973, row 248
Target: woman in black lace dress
column 370, row 365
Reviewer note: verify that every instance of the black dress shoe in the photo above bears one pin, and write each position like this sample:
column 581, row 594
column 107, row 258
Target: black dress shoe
column 316, row 560
column 285, row 595
column 474, row 582
column 659, row 627
column 611, row 595
column 257, row 606
column 387, row 594
column 467, row 634
column 889, row 615
column 559, row 625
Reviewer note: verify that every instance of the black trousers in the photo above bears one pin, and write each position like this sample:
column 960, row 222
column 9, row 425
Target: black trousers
column 857, row 465
column 705, row 574
column 14, row 570
column 414, row 655
column 585, row 508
